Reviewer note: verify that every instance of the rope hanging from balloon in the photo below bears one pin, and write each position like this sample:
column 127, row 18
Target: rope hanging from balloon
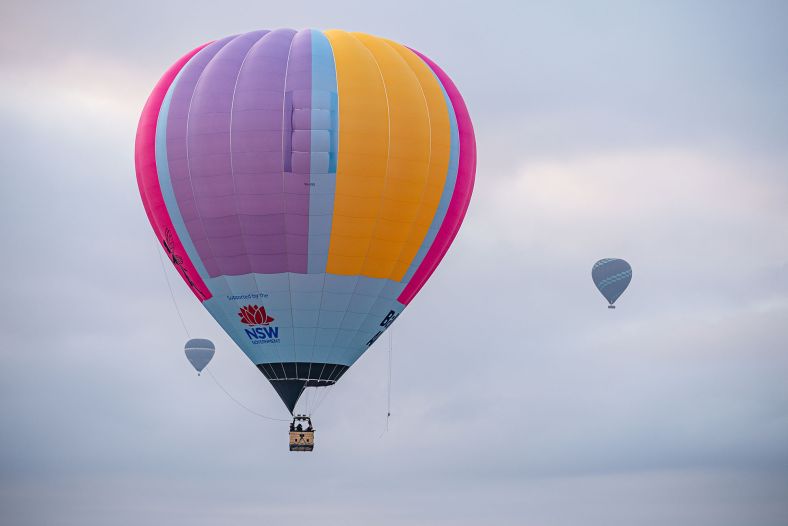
column 240, row 404
column 388, row 394
column 186, row 330
column 388, row 389
column 172, row 294
column 320, row 398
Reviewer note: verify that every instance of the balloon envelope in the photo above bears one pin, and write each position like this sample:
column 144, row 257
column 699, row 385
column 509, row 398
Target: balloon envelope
column 305, row 184
column 199, row 352
column 611, row 276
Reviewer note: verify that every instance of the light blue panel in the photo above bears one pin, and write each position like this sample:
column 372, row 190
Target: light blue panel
column 392, row 290
column 219, row 286
column 345, row 284
column 370, row 286
column 243, row 282
column 321, row 205
column 321, row 120
column 269, row 291
column 324, row 124
column 214, row 307
column 305, row 318
column 371, row 324
column 305, row 352
column 381, row 307
column 326, row 189
column 324, row 87
column 361, row 303
column 328, row 333
column 305, row 336
column 330, row 319
column 353, row 320
column 335, row 302
column 318, row 162
column 344, row 337
column 325, row 337
column 369, row 329
column 306, row 300
column 319, row 244
column 320, row 141
column 267, row 282
column 360, row 339
column 322, row 352
column 284, row 317
column 306, row 282
column 278, row 301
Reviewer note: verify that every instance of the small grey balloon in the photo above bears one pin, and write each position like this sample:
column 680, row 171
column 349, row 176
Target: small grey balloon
column 199, row 352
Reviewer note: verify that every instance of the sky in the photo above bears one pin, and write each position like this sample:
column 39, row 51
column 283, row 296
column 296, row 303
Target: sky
column 652, row 131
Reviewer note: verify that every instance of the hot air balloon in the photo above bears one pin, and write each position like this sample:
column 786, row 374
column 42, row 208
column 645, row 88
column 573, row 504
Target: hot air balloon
column 305, row 185
column 199, row 352
column 611, row 276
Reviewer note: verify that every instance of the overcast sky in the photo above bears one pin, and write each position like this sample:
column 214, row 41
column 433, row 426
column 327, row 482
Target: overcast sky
column 653, row 131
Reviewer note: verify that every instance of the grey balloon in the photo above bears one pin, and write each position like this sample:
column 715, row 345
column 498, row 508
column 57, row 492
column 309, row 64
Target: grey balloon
column 199, row 352
column 611, row 276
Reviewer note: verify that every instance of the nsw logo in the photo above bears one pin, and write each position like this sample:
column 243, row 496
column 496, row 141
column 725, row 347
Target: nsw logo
column 261, row 330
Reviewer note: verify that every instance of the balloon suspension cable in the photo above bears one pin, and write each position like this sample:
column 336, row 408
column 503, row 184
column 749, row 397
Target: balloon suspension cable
column 320, row 398
column 183, row 323
column 172, row 294
column 240, row 404
column 388, row 393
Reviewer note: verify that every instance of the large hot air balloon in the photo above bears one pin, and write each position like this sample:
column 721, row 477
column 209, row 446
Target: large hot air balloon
column 305, row 184
column 611, row 276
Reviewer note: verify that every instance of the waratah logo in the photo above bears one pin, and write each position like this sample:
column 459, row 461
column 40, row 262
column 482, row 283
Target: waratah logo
column 254, row 315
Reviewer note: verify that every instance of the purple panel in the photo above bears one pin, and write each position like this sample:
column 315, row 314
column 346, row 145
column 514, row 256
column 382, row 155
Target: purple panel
column 259, row 183
column 263, row 261
column 238, row 143
column 263, row 225
column 177, row 119
column 299, row 95
column 258, row 136
column 209, row 154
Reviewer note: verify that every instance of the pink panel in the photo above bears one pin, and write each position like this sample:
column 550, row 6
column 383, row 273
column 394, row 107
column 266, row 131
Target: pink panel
column 462, row 191
column 148, row 180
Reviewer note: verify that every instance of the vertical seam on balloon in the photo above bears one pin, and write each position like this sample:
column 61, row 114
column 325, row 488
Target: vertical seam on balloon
column 449, row 181
column 330, row 215
column 232, row 173
column 426, row 271
column 325, row 266
column 429, row 166
column 390, row 277
column 144, row 185
column 218, row 313
column 383, row 192
column 221, row 275
column 165, row 181
column 161, row 127
column 188, row 159
column 284, row 203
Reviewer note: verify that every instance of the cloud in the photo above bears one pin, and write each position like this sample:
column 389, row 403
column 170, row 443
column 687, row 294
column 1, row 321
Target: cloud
column 517, row 397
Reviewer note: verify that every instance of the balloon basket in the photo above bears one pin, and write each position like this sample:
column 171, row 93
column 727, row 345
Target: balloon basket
column 302, row 438
column 611, row 306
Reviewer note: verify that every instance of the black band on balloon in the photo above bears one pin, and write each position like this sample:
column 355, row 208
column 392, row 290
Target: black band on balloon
column 314, row 374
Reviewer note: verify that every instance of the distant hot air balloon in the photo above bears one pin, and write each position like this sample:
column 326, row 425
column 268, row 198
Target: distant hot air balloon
column 305, row 185
column 611, row 276
column 199, row 352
